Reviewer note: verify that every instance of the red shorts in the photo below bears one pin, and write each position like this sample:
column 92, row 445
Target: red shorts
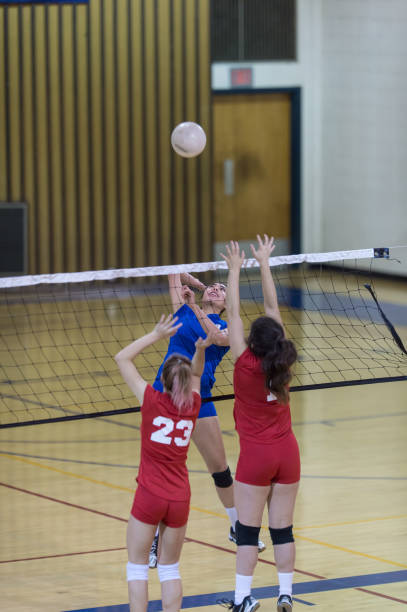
column 263, row 464
column 151, row 509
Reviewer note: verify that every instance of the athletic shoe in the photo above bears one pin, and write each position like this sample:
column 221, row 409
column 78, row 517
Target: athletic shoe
column 152, row 562
column 232, row 538
column 249, row 604
column 284, row 603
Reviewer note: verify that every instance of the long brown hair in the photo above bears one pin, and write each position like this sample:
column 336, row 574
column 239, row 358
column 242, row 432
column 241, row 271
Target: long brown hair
column 267, row 341
column 177, row 380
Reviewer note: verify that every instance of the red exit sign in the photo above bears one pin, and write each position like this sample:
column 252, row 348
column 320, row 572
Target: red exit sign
column 241, row 77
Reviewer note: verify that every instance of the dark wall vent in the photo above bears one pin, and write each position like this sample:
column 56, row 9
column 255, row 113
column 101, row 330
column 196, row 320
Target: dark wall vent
column 253, row 30
column 13, row 238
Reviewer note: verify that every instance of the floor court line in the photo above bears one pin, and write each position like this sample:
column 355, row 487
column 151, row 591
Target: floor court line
column 302, row 588
column 135, row 467
column 61, row 501
column 76, row 461
column 300, row 585
column 356, row 522
column 110, row 485
column 71, row 554
column 79, row 507
column 118, row 518
column 361, row 417
column 83, row 462
column 226, row 432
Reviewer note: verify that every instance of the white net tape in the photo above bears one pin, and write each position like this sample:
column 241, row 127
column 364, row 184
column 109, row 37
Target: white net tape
column 102, row 275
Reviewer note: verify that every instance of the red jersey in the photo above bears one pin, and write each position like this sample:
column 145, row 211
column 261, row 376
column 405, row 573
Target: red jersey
column 259, row 417
column 165, row 437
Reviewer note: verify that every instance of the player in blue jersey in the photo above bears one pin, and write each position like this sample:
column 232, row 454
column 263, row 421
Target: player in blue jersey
column 197, row 321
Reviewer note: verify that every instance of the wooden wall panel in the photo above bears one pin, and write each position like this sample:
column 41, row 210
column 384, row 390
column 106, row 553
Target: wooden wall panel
column 122, row 92
column 83, row 110
column 4, row 174
column 179, row 114
column 164, row 126
column 137, row 144
column 89, row 96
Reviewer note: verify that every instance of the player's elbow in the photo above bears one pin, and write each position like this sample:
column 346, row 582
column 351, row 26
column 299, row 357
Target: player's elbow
column 119, row 358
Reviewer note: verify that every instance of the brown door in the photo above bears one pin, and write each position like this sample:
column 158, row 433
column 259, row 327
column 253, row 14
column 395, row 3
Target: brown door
column 252, row 168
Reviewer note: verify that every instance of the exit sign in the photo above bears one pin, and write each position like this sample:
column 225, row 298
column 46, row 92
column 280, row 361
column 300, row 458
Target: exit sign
column 241, row 77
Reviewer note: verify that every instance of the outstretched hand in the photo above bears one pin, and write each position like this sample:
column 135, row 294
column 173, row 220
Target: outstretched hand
column 167, row 326
column 265, row 247
column 188, row 295
column 234, row 258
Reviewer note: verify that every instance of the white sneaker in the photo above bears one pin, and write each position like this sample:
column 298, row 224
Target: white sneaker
column 284, row 603
column 249, row 604
column 152, row 562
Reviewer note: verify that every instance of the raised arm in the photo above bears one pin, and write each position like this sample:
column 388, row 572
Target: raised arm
column 198, row 361
column 234, row 259
column 176, row 283
column 166, row 327
column 264, row 249
column 219, row 336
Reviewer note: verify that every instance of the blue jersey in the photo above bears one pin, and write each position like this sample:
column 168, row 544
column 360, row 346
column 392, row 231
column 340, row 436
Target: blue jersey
column 184, row 342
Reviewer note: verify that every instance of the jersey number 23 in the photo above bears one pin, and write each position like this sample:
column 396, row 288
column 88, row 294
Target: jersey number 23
column 166, row 426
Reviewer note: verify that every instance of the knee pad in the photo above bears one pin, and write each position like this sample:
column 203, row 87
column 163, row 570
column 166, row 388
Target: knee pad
column 168, row 572
column 223, row 479
column 281, row 536
column 247, row 535
column 136, row 572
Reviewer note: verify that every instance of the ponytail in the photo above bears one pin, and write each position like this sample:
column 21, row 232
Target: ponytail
column 177, row 381
column 276, row 365
column 267, row 341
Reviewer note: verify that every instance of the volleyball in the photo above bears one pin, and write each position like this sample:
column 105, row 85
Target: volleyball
column 188, row 139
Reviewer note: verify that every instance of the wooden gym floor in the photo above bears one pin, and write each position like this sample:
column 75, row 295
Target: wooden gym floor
column 66, row 491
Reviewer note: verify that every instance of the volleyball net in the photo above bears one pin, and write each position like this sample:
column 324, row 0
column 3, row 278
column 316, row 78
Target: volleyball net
column 59, row 333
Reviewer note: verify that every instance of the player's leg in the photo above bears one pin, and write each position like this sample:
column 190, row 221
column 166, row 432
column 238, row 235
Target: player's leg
column 172, row 535
column 146, row 513
column 139, row 538
column 207, row 437
column 281, row 510
column 250, row 503
column 281, row 505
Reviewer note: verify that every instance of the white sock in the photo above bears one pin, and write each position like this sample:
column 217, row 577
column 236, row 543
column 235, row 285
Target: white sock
column 157, row 532
column 232, row 514
column 243, row 587
column 285, row 580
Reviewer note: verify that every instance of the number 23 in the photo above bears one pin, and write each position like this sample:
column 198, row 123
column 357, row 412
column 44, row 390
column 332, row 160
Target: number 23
column 161, row 436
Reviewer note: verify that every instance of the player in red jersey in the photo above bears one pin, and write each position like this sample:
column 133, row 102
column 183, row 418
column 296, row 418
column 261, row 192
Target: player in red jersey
column 268, row 470
column 163, row 493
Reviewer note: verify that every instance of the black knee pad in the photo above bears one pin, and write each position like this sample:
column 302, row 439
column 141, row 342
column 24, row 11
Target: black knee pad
column 247, row 535
column 223, row 479
column 281, row 536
